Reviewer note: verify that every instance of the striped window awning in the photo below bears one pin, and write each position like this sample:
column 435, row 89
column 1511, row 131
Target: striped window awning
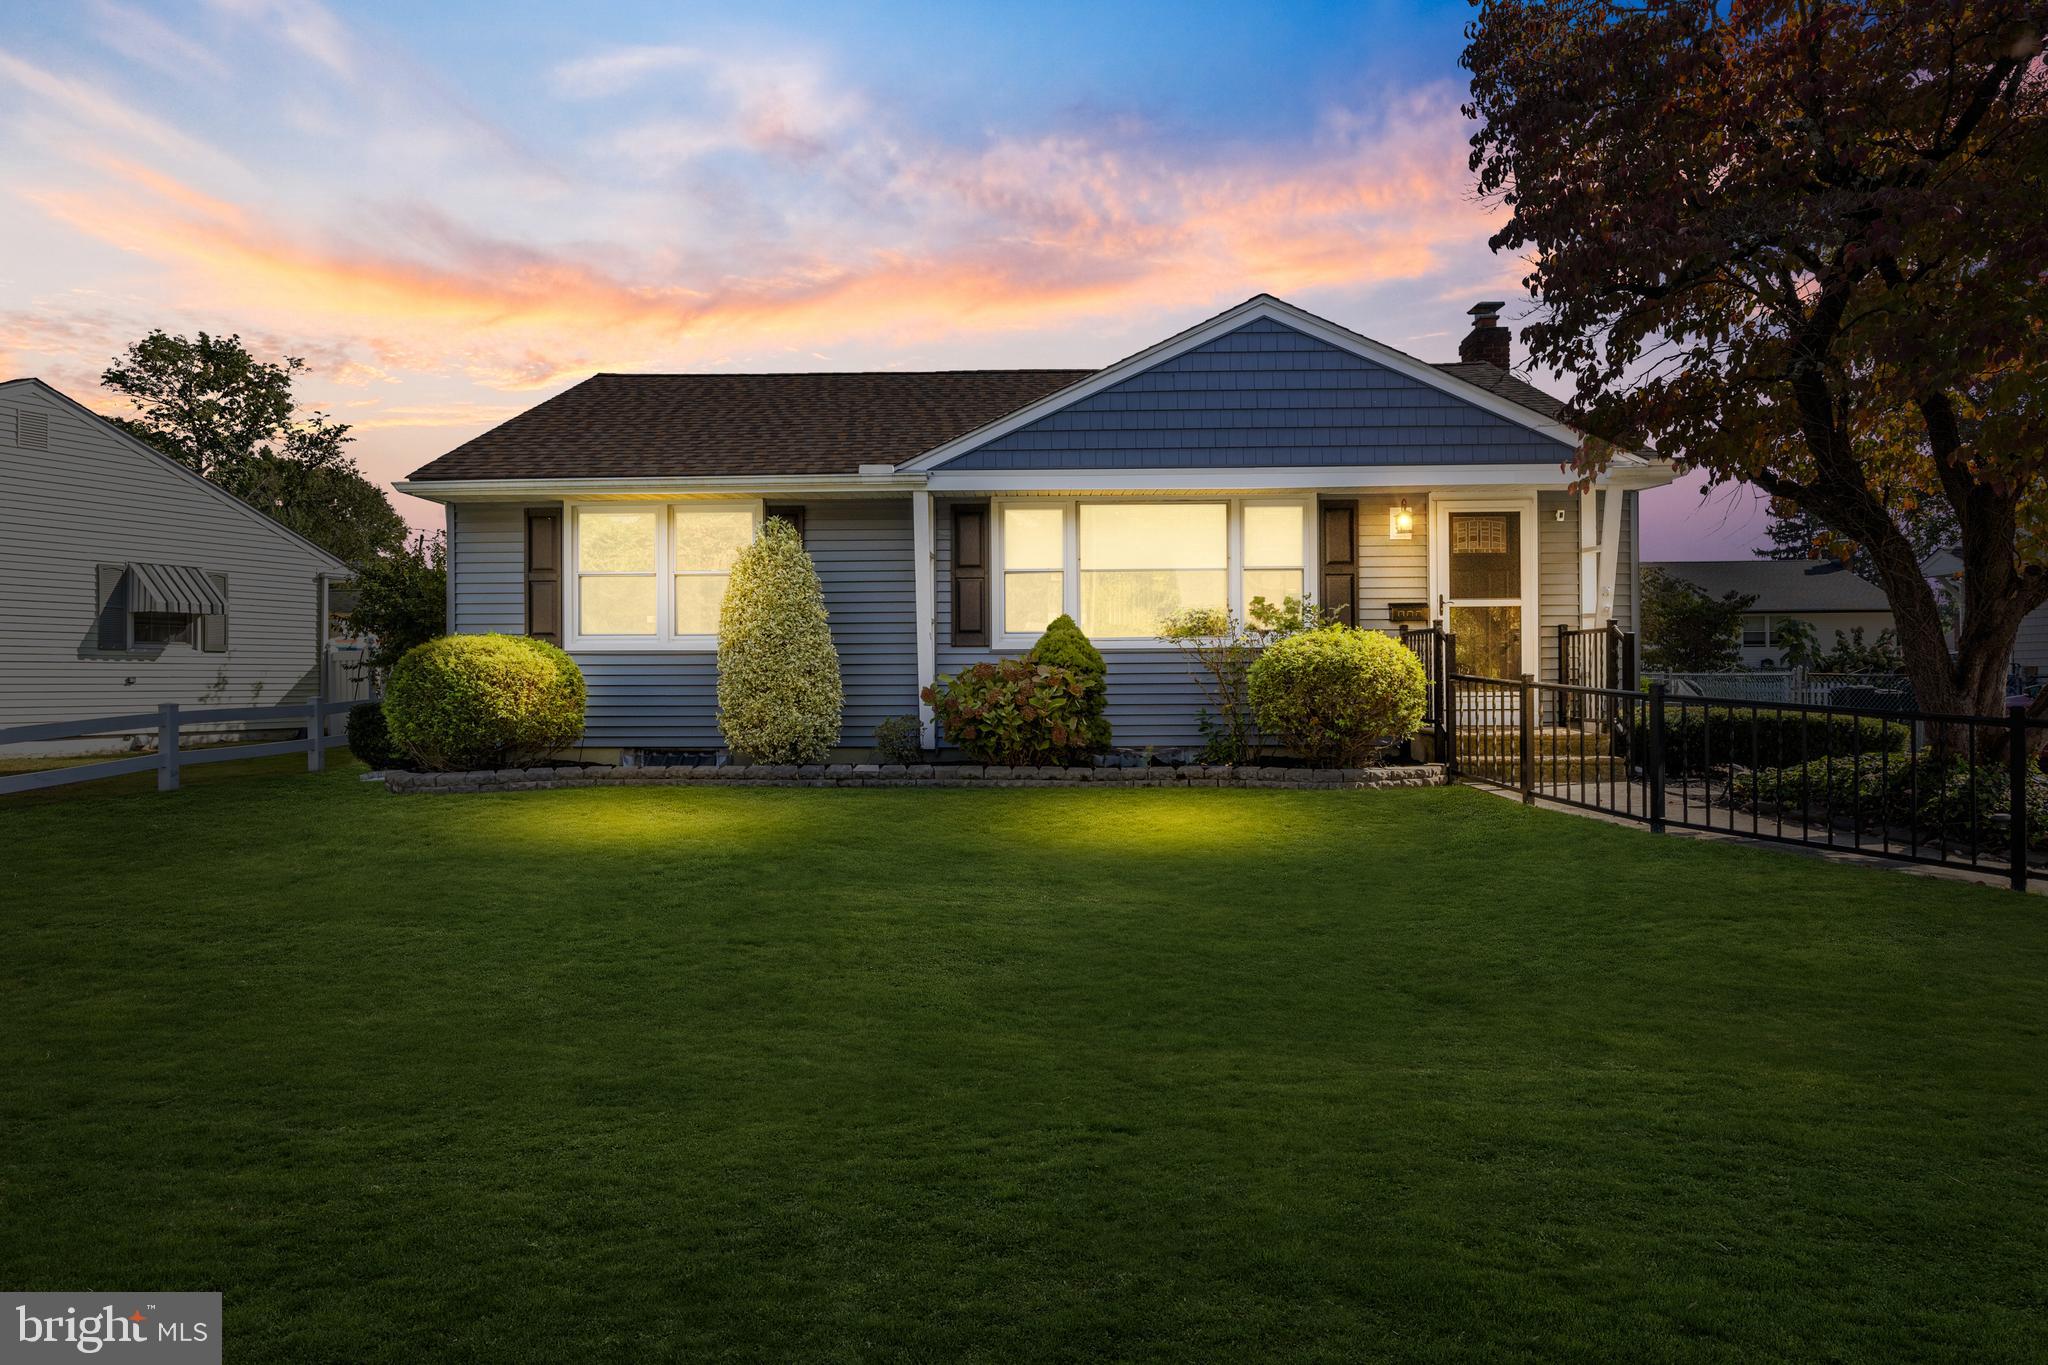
column 174, row 588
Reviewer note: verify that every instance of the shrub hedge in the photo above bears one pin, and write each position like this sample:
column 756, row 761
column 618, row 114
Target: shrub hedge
column 369, row 738
column 1339, row 695
column 1016, row 712
column 1064, row 646
column 1943, row 798
column 1699, row 737
column 899, row 740
column 483, row 701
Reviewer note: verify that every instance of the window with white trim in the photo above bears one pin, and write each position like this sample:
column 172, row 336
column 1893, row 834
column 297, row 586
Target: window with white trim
column 1034, row 567
column 1756, row 631
column 707, row 540
column 654, row 574
column 1121, row 567
column 617, row 586
column 1275, row 552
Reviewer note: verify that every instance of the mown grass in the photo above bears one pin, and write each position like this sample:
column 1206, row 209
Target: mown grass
column 759, row 1074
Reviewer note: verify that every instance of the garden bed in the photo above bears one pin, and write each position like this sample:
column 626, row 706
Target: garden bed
column 917, row 775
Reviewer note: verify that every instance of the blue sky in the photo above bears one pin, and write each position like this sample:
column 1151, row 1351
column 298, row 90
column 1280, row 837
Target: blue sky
column 453, row 210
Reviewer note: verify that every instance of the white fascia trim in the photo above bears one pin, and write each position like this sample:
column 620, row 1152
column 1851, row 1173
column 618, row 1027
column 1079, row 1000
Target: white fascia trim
column 557, row 490
column 1263, row 306
column 1280, row 478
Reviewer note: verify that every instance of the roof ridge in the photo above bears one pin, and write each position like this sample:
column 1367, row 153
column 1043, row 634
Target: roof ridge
column 829, row 374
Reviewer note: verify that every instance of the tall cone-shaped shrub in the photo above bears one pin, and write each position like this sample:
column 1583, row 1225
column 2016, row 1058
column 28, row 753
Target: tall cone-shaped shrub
column 778, row 675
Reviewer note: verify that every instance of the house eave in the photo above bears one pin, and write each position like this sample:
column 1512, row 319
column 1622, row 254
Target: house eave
column 501, row 490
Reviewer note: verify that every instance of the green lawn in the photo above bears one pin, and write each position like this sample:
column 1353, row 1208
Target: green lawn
column 626, row 1074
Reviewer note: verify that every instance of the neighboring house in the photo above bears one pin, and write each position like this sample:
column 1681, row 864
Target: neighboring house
column 128, row 581
column 1821, row 592
column 952, row 514
column 2029, row 646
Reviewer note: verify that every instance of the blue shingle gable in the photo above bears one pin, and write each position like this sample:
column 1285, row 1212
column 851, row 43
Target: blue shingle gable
column 1265, row 394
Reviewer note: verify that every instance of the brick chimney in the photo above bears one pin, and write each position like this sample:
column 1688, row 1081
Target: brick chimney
column 1488, row 340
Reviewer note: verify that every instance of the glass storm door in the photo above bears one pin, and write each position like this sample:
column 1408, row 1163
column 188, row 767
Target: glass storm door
column 1483, row 590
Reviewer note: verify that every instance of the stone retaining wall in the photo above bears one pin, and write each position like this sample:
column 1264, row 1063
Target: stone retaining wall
column 916, row 775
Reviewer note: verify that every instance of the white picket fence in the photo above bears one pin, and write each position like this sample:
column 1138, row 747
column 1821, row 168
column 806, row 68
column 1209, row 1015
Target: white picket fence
column 314, row 719
column 1867, row 691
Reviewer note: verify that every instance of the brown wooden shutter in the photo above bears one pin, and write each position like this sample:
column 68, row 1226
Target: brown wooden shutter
column 789, row 512
column 113, row 612
column 970, row 573
column 213, row 628
column 1340, row 560
column 544, row 575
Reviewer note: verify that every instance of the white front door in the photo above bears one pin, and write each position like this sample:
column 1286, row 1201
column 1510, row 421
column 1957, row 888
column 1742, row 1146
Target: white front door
column 1482, row 572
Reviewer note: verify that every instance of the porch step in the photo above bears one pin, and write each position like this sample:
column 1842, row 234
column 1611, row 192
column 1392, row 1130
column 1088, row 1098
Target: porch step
column 1544, row 739
column 1550, row 768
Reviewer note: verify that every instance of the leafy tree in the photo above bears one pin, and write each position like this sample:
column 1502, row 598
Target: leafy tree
column 332, row 505
column 1686, row 631
column 1928, row 525
column 402, row 598
column 1800, row 245
column 213, row 407
column 1797, row 643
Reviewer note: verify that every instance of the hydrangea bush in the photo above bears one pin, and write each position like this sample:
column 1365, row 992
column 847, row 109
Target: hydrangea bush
column 483, row 701
column 779, row 695
column 1016, row 712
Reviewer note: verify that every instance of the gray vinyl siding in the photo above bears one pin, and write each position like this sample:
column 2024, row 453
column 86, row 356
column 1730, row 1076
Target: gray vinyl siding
column 94, row 498
column 1391, row 570
column 669, row 699
column 1265, row 395
column 1153, row 697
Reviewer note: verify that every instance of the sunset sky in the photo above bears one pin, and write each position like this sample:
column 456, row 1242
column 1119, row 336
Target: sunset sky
column 453, row 211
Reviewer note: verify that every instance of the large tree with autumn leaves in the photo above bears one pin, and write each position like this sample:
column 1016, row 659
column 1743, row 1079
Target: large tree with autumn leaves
column 1803, row 245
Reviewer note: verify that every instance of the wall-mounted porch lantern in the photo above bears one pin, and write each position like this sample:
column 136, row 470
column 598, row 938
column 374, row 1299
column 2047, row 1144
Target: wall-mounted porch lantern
column 1400, row 522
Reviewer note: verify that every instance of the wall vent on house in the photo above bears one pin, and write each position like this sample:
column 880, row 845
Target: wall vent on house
column 32, row 430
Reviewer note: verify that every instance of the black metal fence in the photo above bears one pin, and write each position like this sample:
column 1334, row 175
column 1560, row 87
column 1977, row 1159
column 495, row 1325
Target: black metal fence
column 1952, row 791
column 1590, row 660
column 1437, row 648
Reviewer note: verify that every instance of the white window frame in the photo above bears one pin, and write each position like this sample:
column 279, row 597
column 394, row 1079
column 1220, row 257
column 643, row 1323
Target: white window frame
column 1765, row 618
column 1070, row 533
column 664, row 639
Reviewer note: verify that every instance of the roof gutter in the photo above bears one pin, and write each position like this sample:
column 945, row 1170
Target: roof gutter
column 445, row 490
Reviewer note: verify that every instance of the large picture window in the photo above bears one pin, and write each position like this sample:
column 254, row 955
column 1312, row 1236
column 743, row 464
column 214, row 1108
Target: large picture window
column 1141, row 562
column 655, row 574
column 1121, row 568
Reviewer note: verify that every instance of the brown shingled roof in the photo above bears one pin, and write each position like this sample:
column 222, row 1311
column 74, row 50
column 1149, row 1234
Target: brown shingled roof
column 1503, row 384
column 629, row 426
column 656, row 426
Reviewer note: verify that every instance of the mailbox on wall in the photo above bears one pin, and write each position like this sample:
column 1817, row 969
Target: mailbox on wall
column 1408, row 613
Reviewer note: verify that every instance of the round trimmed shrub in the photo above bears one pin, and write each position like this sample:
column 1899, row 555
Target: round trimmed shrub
column 779, row 695
column 1339, row 695
column 1064, row 646
column 369, row 738
column 466, row 702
